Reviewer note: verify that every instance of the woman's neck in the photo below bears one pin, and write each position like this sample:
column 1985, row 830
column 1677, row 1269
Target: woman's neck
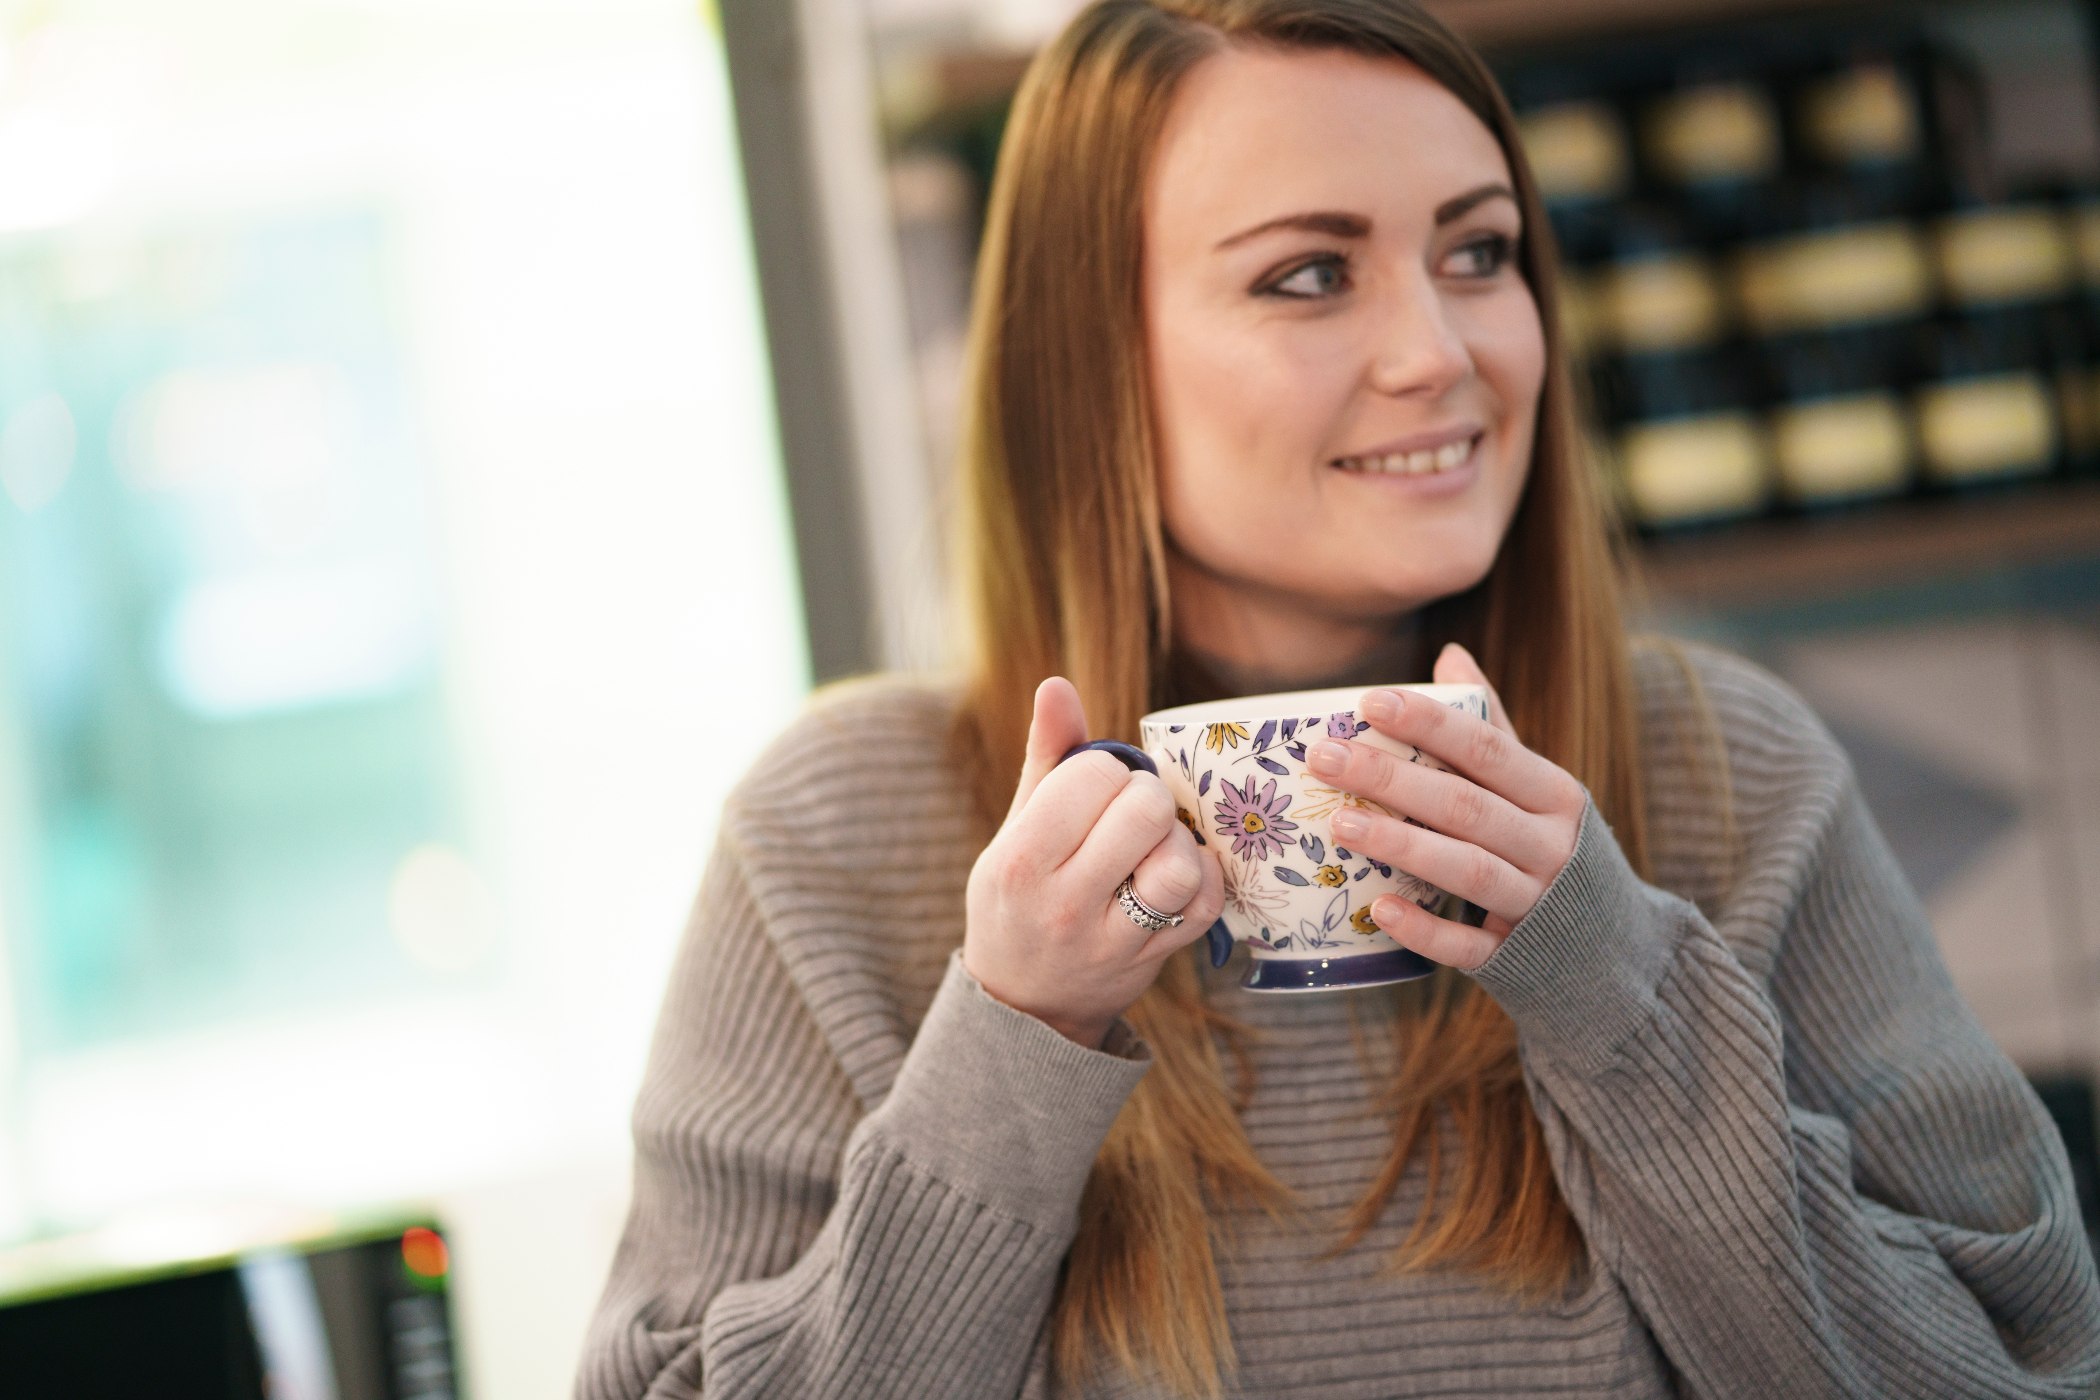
column 1393, row 657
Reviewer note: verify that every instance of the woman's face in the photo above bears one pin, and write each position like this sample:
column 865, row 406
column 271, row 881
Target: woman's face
column 1345, row 358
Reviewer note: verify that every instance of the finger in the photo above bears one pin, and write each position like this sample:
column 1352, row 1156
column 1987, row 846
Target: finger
column 1170, row 875
column 1456, row 666
column 1474, row 748
column 1438, row 939
column 1200, row 912
column 1458, row 867
column 1066, row 806
column 1139, row 817
column 1447, row 802
column 1057, row 724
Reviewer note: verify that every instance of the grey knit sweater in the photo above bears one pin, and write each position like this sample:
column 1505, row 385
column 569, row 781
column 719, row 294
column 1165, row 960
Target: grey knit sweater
column 1800, row 1167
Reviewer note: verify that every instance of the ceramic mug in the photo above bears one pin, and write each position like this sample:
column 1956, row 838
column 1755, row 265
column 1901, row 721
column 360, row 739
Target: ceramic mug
column 1298, row 900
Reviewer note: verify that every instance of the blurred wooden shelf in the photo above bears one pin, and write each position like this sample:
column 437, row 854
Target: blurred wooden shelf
column 1874, row 547
column 1510, row 22
column 964, row 77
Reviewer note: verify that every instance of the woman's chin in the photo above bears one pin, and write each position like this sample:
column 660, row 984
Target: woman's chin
column 1411, row 585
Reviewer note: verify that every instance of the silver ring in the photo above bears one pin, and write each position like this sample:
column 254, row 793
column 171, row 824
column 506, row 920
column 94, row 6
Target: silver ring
column 1142, row 914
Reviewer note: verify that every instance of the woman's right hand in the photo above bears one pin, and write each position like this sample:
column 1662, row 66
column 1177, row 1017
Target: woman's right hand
column 1044, row 933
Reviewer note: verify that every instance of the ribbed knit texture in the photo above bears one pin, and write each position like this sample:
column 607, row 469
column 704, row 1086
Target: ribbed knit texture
column 1800, row 1166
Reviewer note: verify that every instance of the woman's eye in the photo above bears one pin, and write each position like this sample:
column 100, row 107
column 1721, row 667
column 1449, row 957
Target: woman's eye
column 1487, row 256
column 1312, row 280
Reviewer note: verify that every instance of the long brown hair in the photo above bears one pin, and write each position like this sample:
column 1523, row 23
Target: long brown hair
column 1061, row 562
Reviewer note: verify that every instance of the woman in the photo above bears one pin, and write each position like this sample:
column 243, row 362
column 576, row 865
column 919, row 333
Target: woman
column 1266, row 394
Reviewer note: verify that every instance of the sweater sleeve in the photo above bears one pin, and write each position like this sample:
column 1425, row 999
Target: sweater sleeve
column 782, row 1242
column 1824, row 1182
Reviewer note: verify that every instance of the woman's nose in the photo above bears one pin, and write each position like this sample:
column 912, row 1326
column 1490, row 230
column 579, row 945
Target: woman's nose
column 1418, row 351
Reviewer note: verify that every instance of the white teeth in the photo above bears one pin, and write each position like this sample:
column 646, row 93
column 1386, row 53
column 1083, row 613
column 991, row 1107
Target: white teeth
column 1444, row 458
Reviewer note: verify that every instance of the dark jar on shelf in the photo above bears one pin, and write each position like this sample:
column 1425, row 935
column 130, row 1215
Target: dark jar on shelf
column 1839, row 424
column 1690, row 447
column 1986, row 403
column 1715, row 143
column 1983, row 408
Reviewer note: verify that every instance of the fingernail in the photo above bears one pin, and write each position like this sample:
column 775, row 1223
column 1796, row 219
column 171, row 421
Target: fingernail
column 1385, row 909
column 1381, row 704
column 1327, row 757
column 1349, row 824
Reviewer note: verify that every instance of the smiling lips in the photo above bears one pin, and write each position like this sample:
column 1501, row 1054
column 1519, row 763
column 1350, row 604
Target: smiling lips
column 1426, row 462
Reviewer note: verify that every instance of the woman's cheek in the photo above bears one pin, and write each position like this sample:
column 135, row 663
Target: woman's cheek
column 1516, row 341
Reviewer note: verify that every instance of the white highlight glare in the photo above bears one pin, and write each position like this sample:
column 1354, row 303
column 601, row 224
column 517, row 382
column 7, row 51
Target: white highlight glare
column 285, row 1309
column 442, row 911
column 54, row 169
column 280, row 639
column 36, row 452
column 255, row 430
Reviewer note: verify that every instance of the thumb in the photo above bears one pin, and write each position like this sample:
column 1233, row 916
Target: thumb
column 1059, row 725
column 1456, row 666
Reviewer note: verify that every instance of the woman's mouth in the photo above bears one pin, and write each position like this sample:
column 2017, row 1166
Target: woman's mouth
column 1452, row 456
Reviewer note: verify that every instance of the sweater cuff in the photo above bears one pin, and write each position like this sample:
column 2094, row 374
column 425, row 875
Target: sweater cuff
column 1003, row 1108
column 1580, row 974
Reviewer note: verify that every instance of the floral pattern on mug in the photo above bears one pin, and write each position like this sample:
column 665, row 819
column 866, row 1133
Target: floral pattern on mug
column 1312, row 934
column 1247, row 896
column 1323, row 802
column 1254, row 821
column 1345, row 725
column 1289, row 893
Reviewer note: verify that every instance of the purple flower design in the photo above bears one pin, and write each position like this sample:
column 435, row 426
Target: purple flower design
column 1254, row 820
column 1342, row 726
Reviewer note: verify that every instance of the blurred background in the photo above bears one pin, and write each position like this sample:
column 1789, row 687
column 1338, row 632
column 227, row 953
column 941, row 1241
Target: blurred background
column 441, row 442
column 394, row 574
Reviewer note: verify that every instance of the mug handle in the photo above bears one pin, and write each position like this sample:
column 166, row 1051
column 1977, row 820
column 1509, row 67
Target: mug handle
column 1138, row 761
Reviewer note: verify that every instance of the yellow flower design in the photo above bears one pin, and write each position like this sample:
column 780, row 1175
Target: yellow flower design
column 1251, row 822
column 1362, row 921
column 1188, row 819
column 1220, row 737
column 1330, row 876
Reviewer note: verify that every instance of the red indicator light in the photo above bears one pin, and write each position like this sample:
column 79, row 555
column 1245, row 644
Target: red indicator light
column 424, row 1252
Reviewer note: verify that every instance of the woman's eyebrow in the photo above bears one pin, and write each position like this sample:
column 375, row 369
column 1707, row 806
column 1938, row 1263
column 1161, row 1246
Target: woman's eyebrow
column 1338, row 224
column 1331, row 222
column 1456, row 208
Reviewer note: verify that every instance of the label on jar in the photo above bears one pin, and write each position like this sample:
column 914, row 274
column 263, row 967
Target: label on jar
column 1667, row 302
column 1997, row 425
column 1725, row 131
column 2002, row 255
column 1852, row 446
column 1849, row 276
column 1861, row 116
column 1694, row 468
column 1577, row 150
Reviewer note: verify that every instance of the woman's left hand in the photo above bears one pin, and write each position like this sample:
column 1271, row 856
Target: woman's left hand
column 1494, row 831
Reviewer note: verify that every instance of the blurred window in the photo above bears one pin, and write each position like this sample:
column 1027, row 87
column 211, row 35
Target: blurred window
column 394, row 572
